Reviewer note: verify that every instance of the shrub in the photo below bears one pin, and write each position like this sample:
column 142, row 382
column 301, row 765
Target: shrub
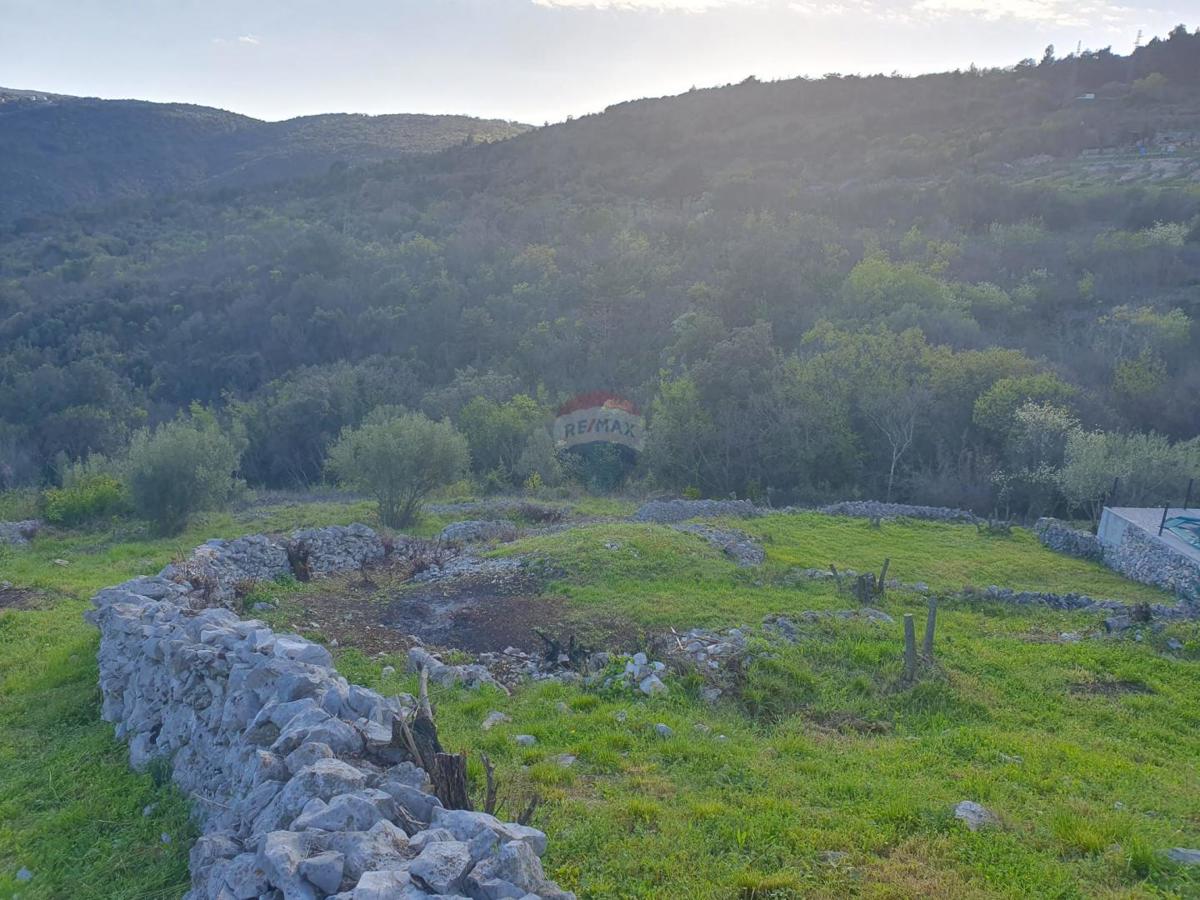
column 399, row 458
column 540, row 458
column 498, row 435
column 180, row 468
column 18, row 503
column 92, row 497
column 533, row 484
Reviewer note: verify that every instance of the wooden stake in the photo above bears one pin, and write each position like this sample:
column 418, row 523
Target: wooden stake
column 423, row 693
column 910, row 647
column 489, row 803
column 449, row 778
column 930, row 624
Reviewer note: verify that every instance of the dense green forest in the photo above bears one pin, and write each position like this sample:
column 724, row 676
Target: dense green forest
column 935, row 288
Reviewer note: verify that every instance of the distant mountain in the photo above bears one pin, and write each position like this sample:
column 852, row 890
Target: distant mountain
column 58, row 152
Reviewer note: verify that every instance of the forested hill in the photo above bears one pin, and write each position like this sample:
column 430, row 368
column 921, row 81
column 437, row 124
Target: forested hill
column 58, row 152
column 790, row 276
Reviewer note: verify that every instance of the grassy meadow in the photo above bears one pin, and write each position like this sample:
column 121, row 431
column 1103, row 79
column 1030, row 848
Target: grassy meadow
column 827, row 776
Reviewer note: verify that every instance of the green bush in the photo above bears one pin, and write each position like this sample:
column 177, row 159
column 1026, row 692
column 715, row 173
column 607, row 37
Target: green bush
column 399, row 458
column 18, row 503
column 180, row 468
column 89, row 498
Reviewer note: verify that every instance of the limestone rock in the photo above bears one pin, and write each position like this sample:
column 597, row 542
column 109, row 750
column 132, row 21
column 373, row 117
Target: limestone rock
column 324, row 870
column 975, row 816
column 479, row 530
column 441, row 866
column 1183, row 856
column 18, row 534
column 493, row 719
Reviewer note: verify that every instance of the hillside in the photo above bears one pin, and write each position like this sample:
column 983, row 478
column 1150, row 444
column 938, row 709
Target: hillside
column 991, row 251
column 58, row 152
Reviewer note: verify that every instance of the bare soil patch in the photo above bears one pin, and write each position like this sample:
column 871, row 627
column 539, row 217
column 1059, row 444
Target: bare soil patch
column 1110, row 688
column 382, row 610
column 20, row 598
column 849, row 723
column 476, row 614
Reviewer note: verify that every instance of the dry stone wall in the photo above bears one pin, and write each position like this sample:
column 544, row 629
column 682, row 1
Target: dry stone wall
column 1141, row 557
column 291, row 769
column 1138, row 556
column 875, row 509
column 1062, row 538
column 665, row 512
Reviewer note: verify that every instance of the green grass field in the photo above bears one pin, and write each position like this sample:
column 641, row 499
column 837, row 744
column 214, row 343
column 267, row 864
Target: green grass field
column 1086, row 750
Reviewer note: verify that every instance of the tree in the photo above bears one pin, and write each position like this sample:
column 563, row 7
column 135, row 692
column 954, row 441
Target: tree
column 902, row 296
column 497, row 433
column 399, row 458
column 894, row 412
column 1151, row 470
column 1033, row 454
column 540, row 459
column 995, row 409
column 885, row 377
column 181, row 467
column 291, row 422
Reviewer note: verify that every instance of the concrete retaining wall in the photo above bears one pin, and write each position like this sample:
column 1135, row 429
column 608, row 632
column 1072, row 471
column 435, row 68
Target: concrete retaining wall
column 1141, row 556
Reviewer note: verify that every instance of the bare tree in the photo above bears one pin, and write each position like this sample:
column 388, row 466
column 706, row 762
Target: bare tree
column 896, row 415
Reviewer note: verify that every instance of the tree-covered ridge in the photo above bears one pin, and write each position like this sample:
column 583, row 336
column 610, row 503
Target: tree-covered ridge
column 838, row 285
column 59, row 152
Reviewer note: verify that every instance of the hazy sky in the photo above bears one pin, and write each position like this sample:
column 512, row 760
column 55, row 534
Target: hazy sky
column 533, row 60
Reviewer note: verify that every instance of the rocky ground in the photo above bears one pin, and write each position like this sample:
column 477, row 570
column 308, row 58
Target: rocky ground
column 440, row 600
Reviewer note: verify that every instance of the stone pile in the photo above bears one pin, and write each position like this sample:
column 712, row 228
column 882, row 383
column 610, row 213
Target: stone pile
column 335, row 548
column 18, row 534
column 665, row 512
column 720, row 657
column 1062, row 538
column 218, row 569
column 737, row 545
column 468, row 565
column 474, row 531
column 294, row 778
column 470, row 675
column 874, row 509
column 710, row 651
column 640, row 674
column 512, row 665
column 1070, row 602
column 1073, row 602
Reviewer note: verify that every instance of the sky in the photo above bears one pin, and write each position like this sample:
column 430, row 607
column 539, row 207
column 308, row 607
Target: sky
column 528, row 60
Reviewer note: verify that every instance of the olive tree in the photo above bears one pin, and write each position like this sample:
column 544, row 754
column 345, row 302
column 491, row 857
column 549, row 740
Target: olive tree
column 181, row 467
column 1150, row 469
column 399, row 458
